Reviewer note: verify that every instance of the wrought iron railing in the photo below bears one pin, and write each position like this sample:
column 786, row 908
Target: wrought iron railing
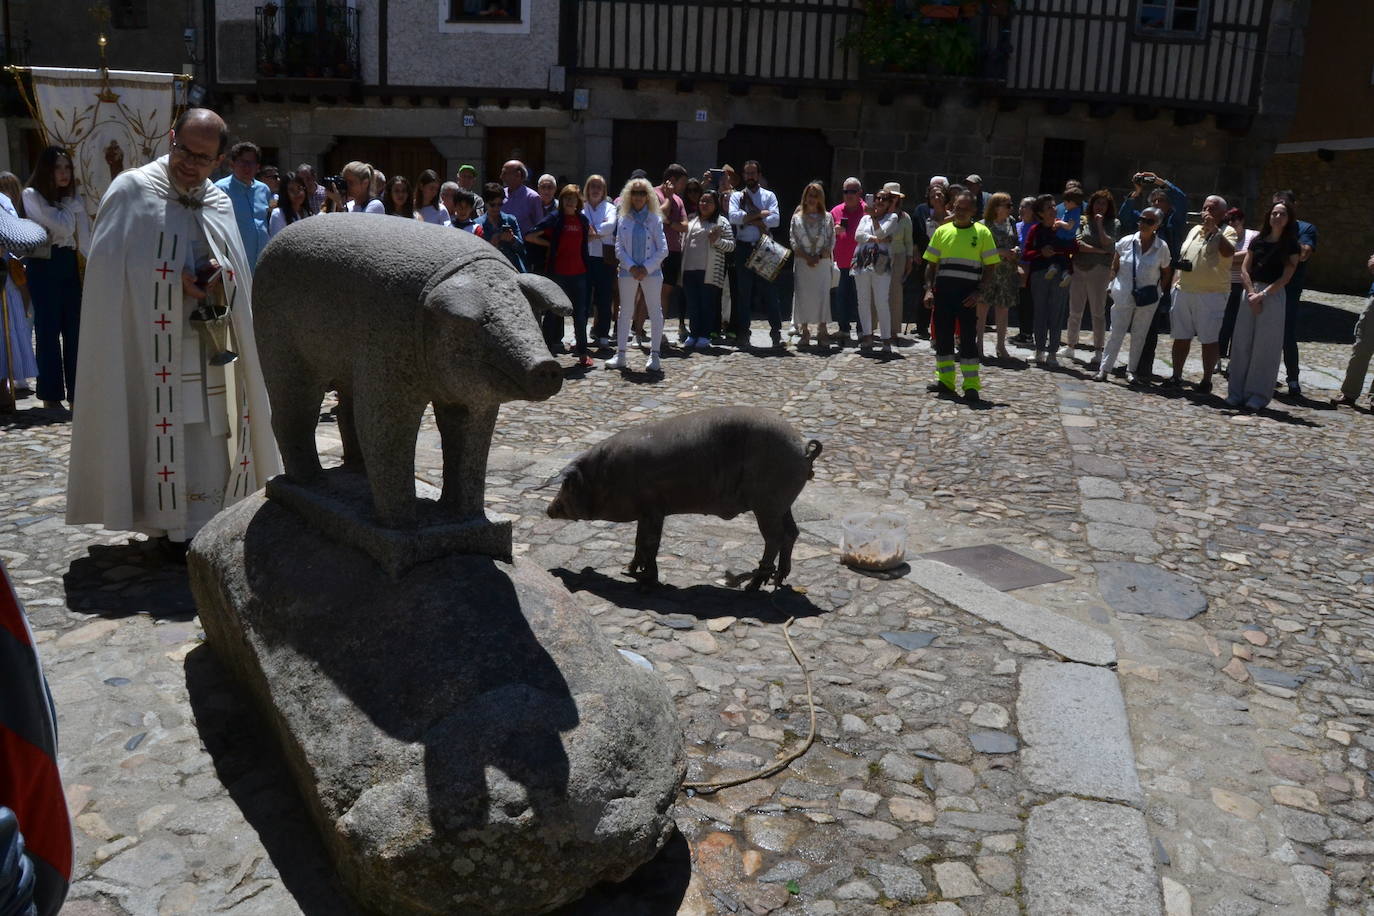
column 308, row 40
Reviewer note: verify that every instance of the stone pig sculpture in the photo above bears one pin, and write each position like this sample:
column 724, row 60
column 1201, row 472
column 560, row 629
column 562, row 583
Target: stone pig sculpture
column 713, row 462
column 397, row 314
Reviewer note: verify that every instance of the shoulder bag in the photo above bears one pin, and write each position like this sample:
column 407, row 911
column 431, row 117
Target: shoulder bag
column 1148, row 295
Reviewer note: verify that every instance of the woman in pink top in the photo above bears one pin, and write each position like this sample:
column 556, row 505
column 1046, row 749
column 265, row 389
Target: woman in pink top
column 844, row 299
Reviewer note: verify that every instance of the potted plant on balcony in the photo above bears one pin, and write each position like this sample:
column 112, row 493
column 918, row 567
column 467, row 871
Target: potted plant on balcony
column 897, row 42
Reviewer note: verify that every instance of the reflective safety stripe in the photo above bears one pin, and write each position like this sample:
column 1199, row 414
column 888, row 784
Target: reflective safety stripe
column 972, row 380
column 944, row 371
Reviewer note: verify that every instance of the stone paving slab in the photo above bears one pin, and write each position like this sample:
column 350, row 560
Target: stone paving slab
column 1073, row 721
column 1089, row 858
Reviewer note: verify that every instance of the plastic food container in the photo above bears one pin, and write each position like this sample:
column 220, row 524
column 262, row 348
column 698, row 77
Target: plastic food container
column 873, row 540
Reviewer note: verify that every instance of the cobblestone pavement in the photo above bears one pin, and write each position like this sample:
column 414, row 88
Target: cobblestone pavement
column 1251, row 722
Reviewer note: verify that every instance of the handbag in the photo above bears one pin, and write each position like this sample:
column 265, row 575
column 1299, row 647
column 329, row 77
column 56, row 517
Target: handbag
column 768, row 258
column 19, row 275
column 1148, row 295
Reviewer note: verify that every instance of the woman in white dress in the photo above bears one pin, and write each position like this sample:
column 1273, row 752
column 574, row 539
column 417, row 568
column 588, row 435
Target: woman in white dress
column 291, row 205
column 813, row 248
column 428, row 207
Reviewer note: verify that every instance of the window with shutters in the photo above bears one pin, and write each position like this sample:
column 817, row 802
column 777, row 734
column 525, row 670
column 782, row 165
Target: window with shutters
column 1172, row 19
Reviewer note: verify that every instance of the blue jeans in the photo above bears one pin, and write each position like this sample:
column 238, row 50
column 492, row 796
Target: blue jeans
column 703, row 303
column 601, row 289
column 55, row 289
column 751, row 287
column 844, row 301
column 575, row 288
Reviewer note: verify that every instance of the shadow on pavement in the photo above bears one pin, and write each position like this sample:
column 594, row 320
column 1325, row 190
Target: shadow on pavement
column 705, row 601
column 251, row 767
column 125, row 579
column 1321, row 323
column 657, row 887
column 29, row 417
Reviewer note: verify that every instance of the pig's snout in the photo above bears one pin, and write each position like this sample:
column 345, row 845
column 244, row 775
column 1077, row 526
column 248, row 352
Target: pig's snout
column 543, row 379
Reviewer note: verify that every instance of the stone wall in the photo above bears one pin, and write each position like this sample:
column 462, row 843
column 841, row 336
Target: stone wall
column 1331, row 195
column 306, row 133
column 908, row 141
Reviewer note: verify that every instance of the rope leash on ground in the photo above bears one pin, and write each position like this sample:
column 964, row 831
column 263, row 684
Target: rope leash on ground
column 706, row 788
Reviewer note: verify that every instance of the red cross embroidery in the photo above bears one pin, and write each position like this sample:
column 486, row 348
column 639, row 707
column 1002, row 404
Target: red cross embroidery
column 164, row 473
column 244, row 463
column 162, row 322
column 163, row 374
column 245, row 416
column 164, row 425
column 164, row 270
column 229, row 274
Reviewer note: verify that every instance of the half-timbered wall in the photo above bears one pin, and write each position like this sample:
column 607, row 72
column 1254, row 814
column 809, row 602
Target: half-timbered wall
column 1095, row 50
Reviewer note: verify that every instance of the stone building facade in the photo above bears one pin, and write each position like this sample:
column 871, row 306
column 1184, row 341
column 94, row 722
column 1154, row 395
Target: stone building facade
column 1327, row 155
column 1092, row 89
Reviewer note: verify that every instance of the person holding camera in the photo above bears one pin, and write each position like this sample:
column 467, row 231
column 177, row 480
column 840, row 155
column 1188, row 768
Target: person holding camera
column 1139, row 261
column 1170, row 200
column 358, row 180
column 1201, row 288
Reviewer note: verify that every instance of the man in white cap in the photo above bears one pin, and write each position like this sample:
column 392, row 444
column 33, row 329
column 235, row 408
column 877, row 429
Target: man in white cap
column 974, row 183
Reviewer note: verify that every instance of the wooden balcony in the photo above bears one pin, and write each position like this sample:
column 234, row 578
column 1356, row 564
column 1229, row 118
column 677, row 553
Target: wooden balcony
column 1094, row 50
column 1066, row 50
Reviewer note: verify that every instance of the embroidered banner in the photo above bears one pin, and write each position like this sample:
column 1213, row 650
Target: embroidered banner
column 124, row 112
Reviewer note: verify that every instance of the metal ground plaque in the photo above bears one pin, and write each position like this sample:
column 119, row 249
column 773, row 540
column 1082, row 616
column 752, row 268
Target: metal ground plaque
column 1003, row 569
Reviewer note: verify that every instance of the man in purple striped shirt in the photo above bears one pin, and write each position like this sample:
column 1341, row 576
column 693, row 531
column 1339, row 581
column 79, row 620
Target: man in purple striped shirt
column 522, row 201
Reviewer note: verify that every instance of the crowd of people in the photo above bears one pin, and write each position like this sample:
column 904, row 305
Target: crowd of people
column 707, row 251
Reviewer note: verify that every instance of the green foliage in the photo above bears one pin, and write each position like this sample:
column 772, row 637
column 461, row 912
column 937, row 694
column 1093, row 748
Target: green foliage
column 894, row 40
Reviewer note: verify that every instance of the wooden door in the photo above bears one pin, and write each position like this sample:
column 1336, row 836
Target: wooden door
column 408, row 156
column 506, row 143
column 636, row 144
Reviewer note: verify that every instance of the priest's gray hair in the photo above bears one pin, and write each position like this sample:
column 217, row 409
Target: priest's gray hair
column 1221, row 201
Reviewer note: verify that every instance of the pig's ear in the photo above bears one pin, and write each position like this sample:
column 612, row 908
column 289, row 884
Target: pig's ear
column 571, row 472
column 544, row 295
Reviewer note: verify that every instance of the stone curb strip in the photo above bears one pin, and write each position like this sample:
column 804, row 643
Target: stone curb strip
column 1087, row 852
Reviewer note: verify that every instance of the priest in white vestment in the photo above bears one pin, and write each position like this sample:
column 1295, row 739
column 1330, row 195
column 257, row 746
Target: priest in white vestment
column 163, row 440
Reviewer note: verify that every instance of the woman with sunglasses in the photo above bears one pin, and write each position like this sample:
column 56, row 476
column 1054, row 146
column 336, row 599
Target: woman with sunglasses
column 641, row 246
column 1137, row 264
column 873, row 263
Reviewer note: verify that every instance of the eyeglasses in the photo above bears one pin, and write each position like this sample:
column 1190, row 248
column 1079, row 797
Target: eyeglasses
column 883, row 197
column 853, row 190
column 1149, row 222
column 200, row 159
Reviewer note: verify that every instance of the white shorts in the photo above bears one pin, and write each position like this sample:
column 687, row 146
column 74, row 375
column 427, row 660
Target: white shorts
column 1197, row 315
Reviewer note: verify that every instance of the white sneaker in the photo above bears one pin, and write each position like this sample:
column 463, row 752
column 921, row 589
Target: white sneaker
column 653, row 365
column 1067, row 353
column 615, row 362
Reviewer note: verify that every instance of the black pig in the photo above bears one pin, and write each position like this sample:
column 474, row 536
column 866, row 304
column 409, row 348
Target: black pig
column 713, row 462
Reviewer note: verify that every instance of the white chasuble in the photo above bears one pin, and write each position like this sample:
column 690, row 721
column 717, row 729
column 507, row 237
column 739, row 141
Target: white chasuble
column 161, row 440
